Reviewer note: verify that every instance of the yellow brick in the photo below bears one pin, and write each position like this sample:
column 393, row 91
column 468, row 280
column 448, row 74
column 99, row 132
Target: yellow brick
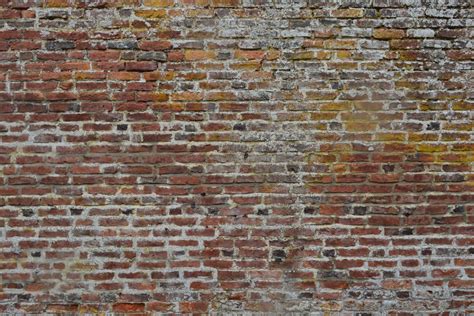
column 56, row 3
column 390, row 137
column 321, row 158
column 388, row 33
column 302, row 55
column 224, row 3
column 449, row 137
column 343, row 54
column 151, row 14
column 356, row 116
column 368, row 106
column 250, row 65
column 195, row 3
column 323, row 116
column 220, row 137
column 459, row 126
column 431, row 148
column 451, row 157
column 83, row 266
column 198, row 55
column 336, row 106
column 323, row 55
column 348, row 13
column 415, row 137
column 463, row 147
column 308, row 55
column 272, row 54
column 463, row 106
column 360, row 126
column 342, row 65
column 321, row 95
column 433, row 106
column 159, row 3
column 314, row 43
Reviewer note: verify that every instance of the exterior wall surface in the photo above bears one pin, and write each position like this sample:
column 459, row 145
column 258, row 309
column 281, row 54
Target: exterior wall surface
column 219, row 156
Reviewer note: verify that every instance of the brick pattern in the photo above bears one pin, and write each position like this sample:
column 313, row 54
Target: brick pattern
column 197, row 156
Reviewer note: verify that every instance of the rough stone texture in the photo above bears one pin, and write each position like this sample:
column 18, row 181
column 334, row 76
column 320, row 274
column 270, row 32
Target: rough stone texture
column 237, row 156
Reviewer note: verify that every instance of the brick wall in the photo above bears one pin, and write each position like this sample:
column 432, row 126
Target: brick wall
column 236, row 155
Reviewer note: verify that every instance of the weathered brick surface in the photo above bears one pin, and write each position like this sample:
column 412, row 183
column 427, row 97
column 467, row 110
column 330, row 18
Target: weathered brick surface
column 236, row 155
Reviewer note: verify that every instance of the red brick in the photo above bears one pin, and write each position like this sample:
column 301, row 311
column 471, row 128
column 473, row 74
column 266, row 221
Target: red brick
column 193, row 307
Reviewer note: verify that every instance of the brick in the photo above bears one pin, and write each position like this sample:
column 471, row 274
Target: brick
column 158, row 3
column 193, row 307
column 128, row 308
column 384, row 220
column 159, row 306
column 198, row 55
column 388, row 33
column 348, row 13
column 155, row 45
column 225, row 3
column 151, row 14
column 141, row 66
